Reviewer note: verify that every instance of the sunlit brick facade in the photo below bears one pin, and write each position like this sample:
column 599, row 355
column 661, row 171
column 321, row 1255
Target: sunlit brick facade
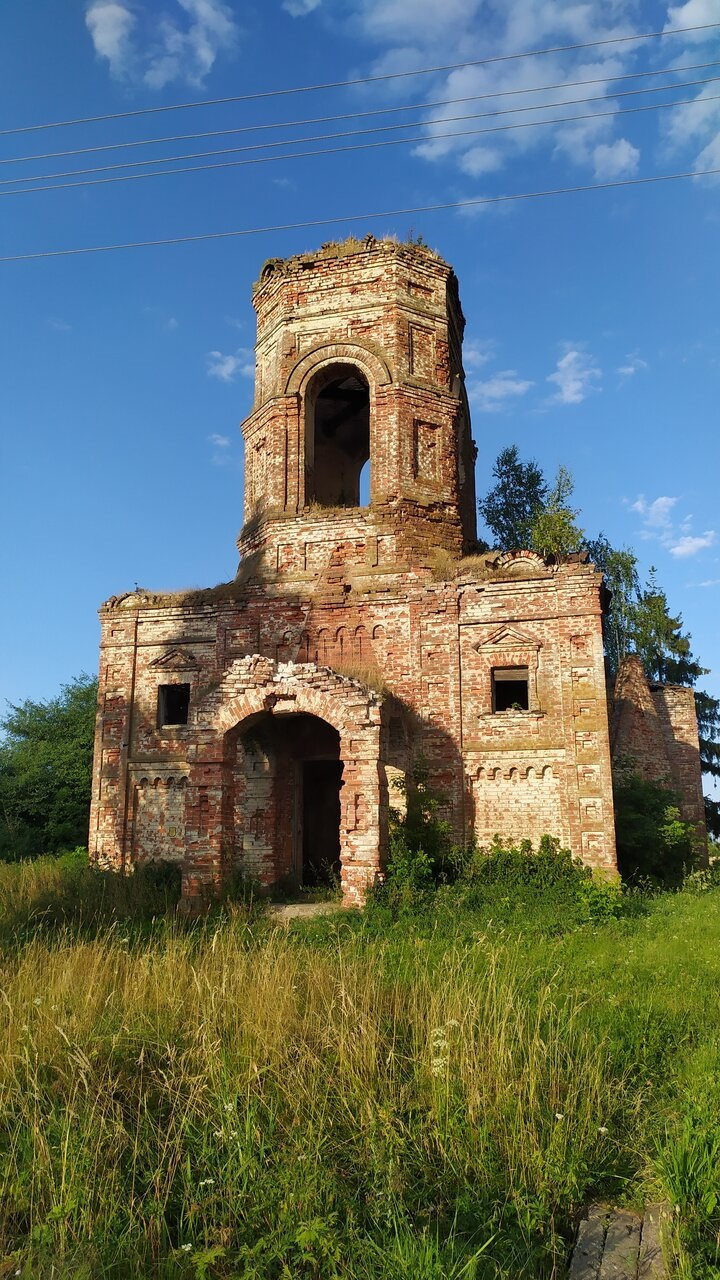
column 265, row 725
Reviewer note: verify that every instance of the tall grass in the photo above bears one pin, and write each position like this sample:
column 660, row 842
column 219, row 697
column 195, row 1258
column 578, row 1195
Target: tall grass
column 355, row 1099
column 289, row 1105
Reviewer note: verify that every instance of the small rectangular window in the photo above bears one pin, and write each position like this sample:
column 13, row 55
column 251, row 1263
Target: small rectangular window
column 173, row 704
column 510, row 689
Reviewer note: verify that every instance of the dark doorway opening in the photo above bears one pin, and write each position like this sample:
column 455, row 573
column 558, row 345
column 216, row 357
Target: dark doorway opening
column 321, row 781
column 282, row 804
column 340, row 439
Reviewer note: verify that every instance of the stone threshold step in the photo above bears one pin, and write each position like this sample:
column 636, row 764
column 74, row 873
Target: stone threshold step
column 614, row 1244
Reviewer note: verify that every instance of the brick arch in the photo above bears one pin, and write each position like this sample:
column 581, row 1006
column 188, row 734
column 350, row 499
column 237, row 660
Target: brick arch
column 250, row 689
column 367, row 361
column 253, row 687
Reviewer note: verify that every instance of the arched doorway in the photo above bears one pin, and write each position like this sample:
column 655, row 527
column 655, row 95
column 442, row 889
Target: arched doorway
column 285, row 776
column 337, row 439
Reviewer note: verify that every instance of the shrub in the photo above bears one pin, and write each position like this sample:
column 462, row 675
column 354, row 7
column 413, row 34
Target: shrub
column 653, row 842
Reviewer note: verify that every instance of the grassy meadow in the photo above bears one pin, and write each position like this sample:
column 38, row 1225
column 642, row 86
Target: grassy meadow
column 427, row 1090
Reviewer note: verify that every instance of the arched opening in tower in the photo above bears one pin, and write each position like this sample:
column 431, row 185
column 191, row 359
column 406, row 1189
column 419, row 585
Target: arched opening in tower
column 340, row 439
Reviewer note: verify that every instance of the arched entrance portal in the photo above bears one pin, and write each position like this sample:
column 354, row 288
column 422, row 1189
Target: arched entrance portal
column 279, row 747
column 285, row 779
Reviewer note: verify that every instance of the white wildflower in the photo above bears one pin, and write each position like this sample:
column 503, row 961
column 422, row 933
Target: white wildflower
column 559, row 1115
column 602, row 1129
column 186, row 1248
column 207, row 1182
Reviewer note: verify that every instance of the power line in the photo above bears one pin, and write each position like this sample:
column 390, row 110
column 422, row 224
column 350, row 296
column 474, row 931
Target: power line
column 387, row 128
column 362, row 146
column 361, row 115
column 343, row 84
column 357, row 217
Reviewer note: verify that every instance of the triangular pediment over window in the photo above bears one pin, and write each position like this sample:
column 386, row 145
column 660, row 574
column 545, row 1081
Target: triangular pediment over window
column 509, row 638
column 175, row 660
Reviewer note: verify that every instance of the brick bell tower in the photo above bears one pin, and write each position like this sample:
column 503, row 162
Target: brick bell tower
column 359, row 434
column 270, row 723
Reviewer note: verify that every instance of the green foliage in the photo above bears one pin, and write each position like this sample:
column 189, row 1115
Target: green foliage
column 46, row 771
column 619, row 565
column 511, row 506
column 687, row 1164
column 553, row 531
column 657, row 637
column 653, row 843
column 420, row 847
column 427, row 873
column 49, row 892
column 425, row 1097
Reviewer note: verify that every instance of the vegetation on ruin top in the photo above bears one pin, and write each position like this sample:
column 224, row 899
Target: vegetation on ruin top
column 351, row 245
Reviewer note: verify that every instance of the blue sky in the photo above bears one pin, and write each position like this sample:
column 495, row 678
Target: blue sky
column 593, row 325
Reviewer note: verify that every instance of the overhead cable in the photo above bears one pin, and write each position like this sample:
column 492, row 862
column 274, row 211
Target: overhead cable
column 326, row 151
column 361, row 115
column 359, row 80
column 356, row 217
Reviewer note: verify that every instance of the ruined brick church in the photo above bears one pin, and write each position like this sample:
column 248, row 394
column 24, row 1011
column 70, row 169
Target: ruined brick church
column 268, row 724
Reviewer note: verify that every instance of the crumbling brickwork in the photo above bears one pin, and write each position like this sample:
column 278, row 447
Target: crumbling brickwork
column 655, row 733
column 264, row 724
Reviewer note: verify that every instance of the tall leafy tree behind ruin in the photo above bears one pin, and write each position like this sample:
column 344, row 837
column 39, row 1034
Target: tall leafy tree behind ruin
column 515, row 500
column 666, row 653
column 45, row 771
column 554, row 530
column 619, row 565
column 522, row 510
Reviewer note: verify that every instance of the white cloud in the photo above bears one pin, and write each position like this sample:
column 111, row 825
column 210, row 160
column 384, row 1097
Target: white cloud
column 220, row 442
column 161, row 48
column 493, row 394
column 172, row 324
column 300, row 8
column 480, row 160
column 416, row 33
column 412, row 33
column 658, row 523
column 656, row 514
column 227, row 367
column 110, row 24
column 709, row 582
column 694, row 13
column 576, row 377
column 60, row 326
column 617, row 159
column 633, row 364
column 477, row 352
column 689, row 546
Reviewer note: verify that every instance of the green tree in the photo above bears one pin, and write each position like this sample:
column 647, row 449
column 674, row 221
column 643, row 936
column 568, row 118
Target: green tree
column 553, row 531
column 665, row 649
column 652, row 839
column 512, row 504
column 619, row 566
column 46, row 770
column 657, row 637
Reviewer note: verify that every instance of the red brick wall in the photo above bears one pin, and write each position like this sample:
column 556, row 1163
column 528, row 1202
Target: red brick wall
column 332, row 604
column 654, row 730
